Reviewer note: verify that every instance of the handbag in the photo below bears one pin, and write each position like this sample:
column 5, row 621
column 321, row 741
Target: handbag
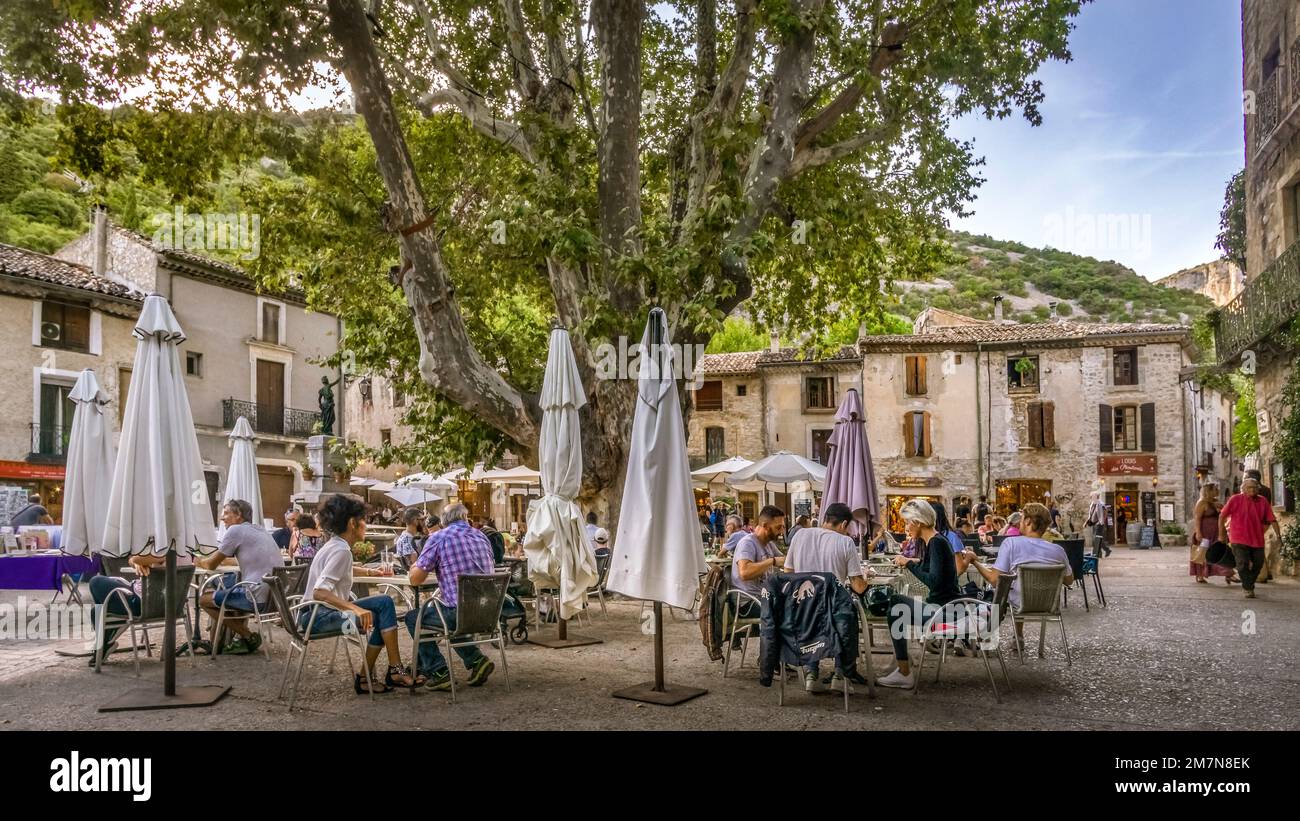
column 1198, row 551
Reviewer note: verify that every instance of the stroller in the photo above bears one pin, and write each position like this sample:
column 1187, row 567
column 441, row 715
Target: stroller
column 513, row 609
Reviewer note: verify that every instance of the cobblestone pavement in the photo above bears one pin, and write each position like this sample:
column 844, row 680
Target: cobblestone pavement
column 1166, row 654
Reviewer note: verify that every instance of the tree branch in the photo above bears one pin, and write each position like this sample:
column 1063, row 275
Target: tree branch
column 731, row 85
column 807, row 157
column 524, row 63
column 888, row 52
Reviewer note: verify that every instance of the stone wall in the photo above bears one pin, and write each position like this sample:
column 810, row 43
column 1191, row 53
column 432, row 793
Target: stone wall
column 741, row 419
column 365, row 420
column 789, row 425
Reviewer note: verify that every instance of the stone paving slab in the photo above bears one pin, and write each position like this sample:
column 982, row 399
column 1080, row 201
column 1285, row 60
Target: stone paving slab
column 1166, row 654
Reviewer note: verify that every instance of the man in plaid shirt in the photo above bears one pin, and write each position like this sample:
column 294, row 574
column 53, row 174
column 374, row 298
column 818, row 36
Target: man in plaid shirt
column 456, row 550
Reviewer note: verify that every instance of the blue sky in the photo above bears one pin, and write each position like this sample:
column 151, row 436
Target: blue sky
column 1140, row 134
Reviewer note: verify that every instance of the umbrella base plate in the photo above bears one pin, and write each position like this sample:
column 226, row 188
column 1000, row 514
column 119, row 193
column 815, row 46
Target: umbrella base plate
column 670, row 696
column 154, row 699
column 572, row 640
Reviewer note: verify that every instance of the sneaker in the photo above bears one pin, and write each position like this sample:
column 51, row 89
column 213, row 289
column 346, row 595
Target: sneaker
column 254, row 641
column 1250, row 594
column 897, row 679
column 854, row 677
column 479, row 674
column 811, row 684
column 237, row 647
column 440, row 680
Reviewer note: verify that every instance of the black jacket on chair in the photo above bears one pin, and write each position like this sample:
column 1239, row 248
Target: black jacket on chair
column 806, row 617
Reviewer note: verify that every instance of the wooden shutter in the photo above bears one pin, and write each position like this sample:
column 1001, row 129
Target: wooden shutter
column 1107, row 429
column 1034, row 419
column 1049, row 424
column 709, row 396
column 926, row 448
column 1148, row 432
column 909, row 368
column 908, row 448
column 76, row 327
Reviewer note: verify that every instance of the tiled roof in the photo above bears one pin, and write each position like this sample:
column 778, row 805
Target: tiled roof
column 19, row 262
column 794, row 355
column 182, row 255
column 720, row 363
column 1024, row 332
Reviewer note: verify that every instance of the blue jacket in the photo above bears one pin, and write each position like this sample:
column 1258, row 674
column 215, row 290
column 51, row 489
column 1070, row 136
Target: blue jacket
column 806, row 617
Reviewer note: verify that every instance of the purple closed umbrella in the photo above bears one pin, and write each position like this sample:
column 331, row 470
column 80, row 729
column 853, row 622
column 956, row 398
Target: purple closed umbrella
column 850, row 478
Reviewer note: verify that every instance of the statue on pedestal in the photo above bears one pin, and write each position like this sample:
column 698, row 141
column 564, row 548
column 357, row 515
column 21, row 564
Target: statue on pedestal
column 327, row 405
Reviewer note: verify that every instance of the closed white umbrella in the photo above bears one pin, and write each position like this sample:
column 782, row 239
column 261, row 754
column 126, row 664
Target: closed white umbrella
column 412, row 496
column 90, row 469
column 559, row 553
column 657, row 553
column 159, row 499
column 242, row 481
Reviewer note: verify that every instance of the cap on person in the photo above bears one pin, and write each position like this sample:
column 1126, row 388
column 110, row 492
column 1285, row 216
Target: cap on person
column 602, row 536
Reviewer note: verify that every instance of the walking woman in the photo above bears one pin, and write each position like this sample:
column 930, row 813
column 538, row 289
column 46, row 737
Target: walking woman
column 1206, row 531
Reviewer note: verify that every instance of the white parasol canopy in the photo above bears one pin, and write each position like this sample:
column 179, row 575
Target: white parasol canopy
column 242, row 481
column 718, row 471
column 559, row 553
column 412, row 496
column 521, row 475
column 360, row 481
column 427, row 481
column 657, row 553
column 158, row 495
column 781, row 468
column 90, row 469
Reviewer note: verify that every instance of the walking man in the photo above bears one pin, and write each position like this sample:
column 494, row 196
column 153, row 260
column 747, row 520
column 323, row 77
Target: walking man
column 1241, row 524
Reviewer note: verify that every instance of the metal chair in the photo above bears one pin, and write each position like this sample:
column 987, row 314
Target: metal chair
column 1074, row 553
column 1040, row 600
column 1092, row 567
column 300, row 639
column 479, row 599
column 974, row 620
column 153, row 610
column 732, row 624
column 598, row 589
column 293, row 577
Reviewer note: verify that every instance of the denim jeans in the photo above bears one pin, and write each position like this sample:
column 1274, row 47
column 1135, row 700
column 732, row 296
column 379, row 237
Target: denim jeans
column 431, row 659
column 329, row 620
column 101, row 588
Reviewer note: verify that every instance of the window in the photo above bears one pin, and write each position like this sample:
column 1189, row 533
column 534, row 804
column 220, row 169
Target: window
column 708, row 397
column 741, row 390
column 1022, row 373
column 819, row 393
column 51, row 433
column 958, row 359
column 821, row 452
column 385, row 437
column 65, row 326
column 1041, row 422
column 715, row 444
column 1126, row 366
column 271, row 323
column 916, row 433
column 1126, row 428
column 915, row 367
column 193, row 364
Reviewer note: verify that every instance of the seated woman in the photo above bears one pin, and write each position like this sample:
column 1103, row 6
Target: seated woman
column 330, row 581
column 937, row 570
column 310, row 539
column 1013, row 525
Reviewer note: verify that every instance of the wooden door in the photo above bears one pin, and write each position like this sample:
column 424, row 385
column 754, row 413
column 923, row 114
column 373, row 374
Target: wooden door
column 277, row 491
column 270, row 396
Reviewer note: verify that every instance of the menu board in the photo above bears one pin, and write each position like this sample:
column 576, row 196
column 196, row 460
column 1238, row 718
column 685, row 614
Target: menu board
column 12, row 500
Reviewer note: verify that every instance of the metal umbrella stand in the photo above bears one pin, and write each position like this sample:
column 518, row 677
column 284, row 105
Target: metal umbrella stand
column 656, row 554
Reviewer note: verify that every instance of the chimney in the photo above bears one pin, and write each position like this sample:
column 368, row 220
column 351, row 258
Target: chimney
column 862, row 331
column 1051, row 308
column 997, row 308
column 99, row 240
column 776, row 342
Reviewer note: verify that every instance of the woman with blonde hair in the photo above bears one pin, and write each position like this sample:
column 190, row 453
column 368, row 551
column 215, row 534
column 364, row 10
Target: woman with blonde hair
column 1205, row 530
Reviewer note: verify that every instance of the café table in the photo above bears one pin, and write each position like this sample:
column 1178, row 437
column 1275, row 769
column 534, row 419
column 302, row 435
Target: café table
column 43, row 570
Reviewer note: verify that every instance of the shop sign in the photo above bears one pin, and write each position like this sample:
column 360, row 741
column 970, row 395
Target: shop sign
column 1128, row 464
column 24, row 470
column 913, row 481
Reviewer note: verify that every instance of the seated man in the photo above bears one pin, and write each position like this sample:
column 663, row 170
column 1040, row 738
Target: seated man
column 1028, row 548
column 756, row 556
column 732, row 533
column 600, row 542
column 101, row 591
column 454, row 551
column 257, row 554
column 284, row 535
column 828, row 549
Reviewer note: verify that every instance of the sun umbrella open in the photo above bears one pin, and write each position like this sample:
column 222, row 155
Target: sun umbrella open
column 242, row 481
column 412, row 496
column 560, row 557
column 719, row 471
column 159, row 499
column 657, row 553
column 90, row 469
column 781, row 468
column 850, row 477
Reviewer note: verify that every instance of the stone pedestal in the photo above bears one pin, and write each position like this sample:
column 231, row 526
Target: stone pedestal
column 324, row 461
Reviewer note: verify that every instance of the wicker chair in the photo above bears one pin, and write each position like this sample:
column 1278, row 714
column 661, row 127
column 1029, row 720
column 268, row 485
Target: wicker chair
column 1040, row 600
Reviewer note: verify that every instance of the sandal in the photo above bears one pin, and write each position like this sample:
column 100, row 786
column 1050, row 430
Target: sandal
column 401, row 677
column 376, row 687
column 200, row 647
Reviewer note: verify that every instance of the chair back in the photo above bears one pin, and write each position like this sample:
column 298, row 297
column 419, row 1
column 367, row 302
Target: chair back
column 154, row 591
column 479, row 599
column 293, row 578
column 276, row 582
column 1074, row 553
column 1040, row 588
column 113, row 564
column 602, row 569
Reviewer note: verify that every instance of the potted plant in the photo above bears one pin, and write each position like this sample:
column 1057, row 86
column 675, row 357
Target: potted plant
column 308, row 473
column 1175, row 530
column 363, row 551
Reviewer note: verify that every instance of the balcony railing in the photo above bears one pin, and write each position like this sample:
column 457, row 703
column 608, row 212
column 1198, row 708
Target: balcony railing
column 49, row 440
column 281, row 421
column 1267, row 303
column 1268, row 108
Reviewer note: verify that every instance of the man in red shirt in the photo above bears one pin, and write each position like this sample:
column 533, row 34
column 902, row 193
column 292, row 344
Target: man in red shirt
column 1241, row 524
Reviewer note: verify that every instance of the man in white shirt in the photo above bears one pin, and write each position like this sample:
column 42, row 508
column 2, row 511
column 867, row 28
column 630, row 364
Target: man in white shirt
column 828, row 549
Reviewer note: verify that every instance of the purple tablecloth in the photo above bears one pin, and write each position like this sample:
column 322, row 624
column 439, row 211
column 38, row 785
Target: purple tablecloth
column 41, row 572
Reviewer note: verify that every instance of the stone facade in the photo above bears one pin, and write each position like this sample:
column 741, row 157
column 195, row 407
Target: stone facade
column 368, row 418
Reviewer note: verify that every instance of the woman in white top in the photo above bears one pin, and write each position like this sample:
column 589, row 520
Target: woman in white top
column 329, row 581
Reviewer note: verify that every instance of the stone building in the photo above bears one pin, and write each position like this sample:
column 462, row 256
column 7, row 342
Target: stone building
column 374, row 407
column 1249, row 329
column 247, row 353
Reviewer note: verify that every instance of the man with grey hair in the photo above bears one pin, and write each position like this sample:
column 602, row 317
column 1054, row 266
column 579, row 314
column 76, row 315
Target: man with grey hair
column 458, row 549
column 257, row 554
column 733, row 532
column 1241, row 524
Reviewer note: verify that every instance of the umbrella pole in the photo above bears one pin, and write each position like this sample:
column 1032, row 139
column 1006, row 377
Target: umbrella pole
column 659, row 691
column 659, row 647
column 169, row 628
